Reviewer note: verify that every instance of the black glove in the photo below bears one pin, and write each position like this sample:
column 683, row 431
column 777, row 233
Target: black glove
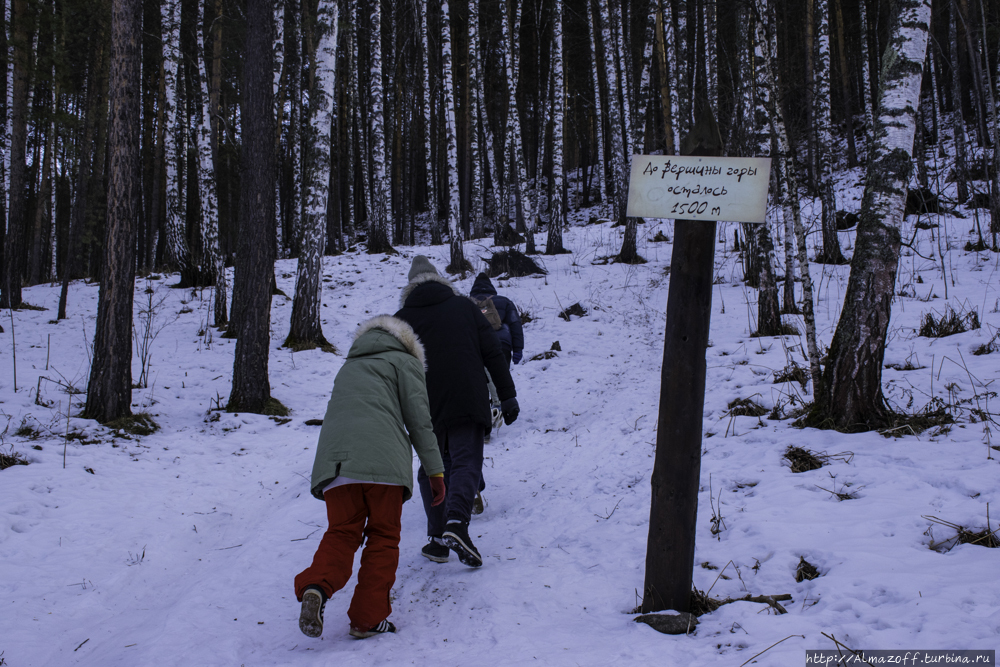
column 516, row 357
column 510, row 410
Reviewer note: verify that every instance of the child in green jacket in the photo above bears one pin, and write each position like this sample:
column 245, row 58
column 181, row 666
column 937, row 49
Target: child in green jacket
column 377, row 415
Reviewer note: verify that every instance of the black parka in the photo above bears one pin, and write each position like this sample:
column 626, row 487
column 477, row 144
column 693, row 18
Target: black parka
column 458, row 342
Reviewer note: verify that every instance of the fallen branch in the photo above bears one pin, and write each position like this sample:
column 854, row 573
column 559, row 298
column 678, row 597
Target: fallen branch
column 772, row 646
column 856, row 654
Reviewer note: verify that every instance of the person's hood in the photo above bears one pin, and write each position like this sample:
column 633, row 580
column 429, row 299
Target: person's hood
column 482, row 287
column 383, row 333
column 438, row 296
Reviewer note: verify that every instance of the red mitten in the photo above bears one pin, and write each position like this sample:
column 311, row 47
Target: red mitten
column 437, row 486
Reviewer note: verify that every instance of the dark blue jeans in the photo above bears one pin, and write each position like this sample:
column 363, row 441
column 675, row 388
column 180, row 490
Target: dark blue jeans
column 462, row 451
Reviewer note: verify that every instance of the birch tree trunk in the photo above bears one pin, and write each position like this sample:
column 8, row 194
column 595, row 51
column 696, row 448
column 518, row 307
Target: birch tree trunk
column 853, row 399
column 517, row 173
column 458, row 262
column 475, row 86
column 557, row 219
column 381, row 201
column 823, row 114
column 786, row 167
column 868, row 101
column 617, row 159
column 995, row 123
column 78, row 211
column 601, row 167
column 205, row 138
column 176, row 146
column 13, row 268
column 490, row 145
column 432, row 207
column 5, row 10
column 109, row 391
column 667, row 64
column 961, row 171
column 306, row 330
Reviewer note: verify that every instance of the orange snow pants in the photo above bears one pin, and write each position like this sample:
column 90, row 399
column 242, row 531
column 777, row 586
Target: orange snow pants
column 359, row 511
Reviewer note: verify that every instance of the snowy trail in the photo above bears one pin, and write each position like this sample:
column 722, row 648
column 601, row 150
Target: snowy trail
column 220, row 502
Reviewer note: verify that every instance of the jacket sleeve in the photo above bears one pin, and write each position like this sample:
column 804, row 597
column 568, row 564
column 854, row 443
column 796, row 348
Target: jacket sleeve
column 417, row 415
column 493, row 358
column 513, row 321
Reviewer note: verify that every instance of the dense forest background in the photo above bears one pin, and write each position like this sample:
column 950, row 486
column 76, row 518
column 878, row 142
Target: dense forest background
column 305, row 127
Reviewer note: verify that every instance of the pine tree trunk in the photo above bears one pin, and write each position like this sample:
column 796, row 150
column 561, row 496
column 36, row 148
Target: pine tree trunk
column 629, row 253
column 768, row 309
column 82, row 196
column 155, row 218
column 43, row 240
column 845, row 86
column 255, row 259
column 853, row 398
column 306, row 330
column 109, row 392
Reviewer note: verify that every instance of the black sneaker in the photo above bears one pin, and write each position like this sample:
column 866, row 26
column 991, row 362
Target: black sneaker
column 456, row 536
column 311, row 618
column 436, row 550
column 478, row 504
column 380, row 629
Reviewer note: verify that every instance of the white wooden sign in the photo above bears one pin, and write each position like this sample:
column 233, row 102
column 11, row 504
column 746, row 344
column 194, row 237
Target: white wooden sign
column 699, row 188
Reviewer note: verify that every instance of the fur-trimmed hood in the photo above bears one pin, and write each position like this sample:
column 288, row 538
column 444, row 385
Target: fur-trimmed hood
column 396, row 328
column 419, row 280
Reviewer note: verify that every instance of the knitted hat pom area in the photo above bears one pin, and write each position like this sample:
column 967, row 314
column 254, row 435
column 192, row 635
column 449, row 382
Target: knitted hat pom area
column 421, row 265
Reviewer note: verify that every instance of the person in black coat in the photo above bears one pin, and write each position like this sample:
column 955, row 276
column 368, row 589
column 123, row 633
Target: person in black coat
column 511, row 333
column 458, row 342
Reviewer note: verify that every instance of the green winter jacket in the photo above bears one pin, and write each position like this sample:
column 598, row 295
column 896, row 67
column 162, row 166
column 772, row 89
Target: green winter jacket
column 377, row 409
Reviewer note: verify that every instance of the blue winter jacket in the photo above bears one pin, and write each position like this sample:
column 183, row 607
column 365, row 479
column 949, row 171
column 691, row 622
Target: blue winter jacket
column 511, row 334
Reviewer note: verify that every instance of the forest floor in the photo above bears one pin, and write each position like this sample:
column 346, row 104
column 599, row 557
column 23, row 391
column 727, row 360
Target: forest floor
column 179, row 547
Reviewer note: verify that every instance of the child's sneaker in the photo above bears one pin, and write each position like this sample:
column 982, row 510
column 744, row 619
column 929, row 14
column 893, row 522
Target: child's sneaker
column 381, row 628
column 456, row 536
column 478, row 504
column 311, row 618
column 436, row 550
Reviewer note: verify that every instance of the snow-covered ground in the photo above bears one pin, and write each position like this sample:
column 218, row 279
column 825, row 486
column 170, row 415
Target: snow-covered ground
column 179, row 548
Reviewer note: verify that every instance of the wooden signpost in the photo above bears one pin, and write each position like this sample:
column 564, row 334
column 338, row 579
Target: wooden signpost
column 704, row 188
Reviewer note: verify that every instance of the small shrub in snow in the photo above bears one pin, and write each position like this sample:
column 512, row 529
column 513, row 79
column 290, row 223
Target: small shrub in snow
column 802, row 460
column 948, row 323
column 12, row 459
column 746, row 407
column 805, row 571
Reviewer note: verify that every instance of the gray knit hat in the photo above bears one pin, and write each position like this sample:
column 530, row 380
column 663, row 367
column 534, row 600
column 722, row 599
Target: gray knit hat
column 421, row 265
